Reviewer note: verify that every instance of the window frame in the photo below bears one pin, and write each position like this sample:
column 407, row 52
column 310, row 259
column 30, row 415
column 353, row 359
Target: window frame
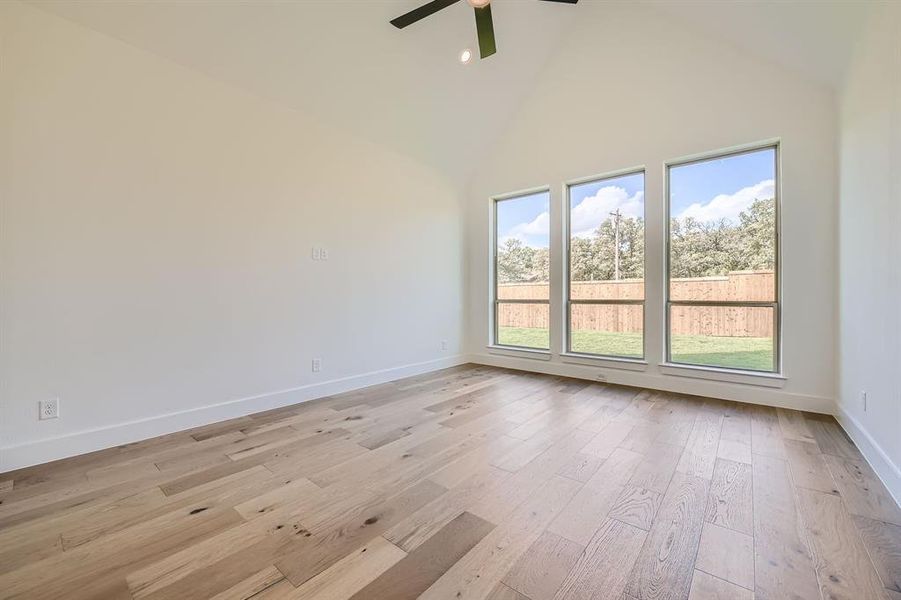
column 567, row 268
column 494, row 300
column 776, row 304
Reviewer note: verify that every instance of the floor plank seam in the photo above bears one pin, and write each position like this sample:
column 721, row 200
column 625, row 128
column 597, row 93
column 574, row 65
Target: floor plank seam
column 866, row 548
column 723, row 579
column 805, row 529
column 694, row 561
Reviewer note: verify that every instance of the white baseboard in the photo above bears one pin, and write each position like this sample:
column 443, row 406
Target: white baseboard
column 81, row 442
column 751, row 394
column 878, row 458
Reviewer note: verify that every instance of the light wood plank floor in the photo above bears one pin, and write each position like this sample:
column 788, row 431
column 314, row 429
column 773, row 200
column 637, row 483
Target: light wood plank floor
column 472, row 482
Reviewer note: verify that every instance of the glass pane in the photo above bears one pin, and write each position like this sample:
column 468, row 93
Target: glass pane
column 723, row 228
column 523, row 239
column 606, row 245
column 607, row 329
column 733, row 337
column 523, row 325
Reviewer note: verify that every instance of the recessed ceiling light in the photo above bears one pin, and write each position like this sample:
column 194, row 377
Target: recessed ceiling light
column 466, row 56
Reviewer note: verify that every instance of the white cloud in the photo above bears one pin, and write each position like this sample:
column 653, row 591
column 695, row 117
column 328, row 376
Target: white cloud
column 594, row 210
column 586, row 216
column 540, row 225
column 536, row 228
column 728, row 206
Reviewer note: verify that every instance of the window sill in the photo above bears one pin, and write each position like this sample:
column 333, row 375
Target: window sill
column 628, row 364
column 519, row 352
column 773, row 380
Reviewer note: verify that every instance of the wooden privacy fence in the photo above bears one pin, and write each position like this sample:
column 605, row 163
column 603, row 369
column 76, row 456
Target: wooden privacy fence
column 729, row 321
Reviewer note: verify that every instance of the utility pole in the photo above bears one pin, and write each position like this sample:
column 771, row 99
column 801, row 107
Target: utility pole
column 616, row 217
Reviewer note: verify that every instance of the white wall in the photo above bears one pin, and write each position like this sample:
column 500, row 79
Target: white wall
column 870, row 251
column 631, row 88
column 155, row 235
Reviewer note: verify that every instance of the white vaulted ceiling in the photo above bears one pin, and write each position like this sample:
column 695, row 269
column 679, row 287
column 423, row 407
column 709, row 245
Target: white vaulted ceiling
column 814, row 37
column 342, row 62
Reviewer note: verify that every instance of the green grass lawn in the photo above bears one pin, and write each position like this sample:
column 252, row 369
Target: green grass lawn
column 727, row 352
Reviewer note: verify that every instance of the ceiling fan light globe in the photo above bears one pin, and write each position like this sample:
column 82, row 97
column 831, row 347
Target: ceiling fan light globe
column 479, row 3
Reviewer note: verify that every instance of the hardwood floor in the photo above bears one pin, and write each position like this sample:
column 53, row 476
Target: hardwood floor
column 472, row 482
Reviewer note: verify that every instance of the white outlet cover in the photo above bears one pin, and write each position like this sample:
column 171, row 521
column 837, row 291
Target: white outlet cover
column 48, row 409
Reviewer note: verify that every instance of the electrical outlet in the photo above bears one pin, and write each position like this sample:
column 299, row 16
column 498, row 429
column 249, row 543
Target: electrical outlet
column 317, row 365
column 323, row 254
column 48, row 409
column 863, row 400
column 444, row 344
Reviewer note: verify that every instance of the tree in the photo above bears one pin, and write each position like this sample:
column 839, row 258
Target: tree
column 758, row 227
column 518, row 263
column 514, row 260
column 541, row 265
column 632, row 248
column 594, row 259
column 697, row 249
column 703, row 249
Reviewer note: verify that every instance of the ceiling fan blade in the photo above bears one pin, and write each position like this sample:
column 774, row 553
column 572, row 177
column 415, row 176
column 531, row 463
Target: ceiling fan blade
column 417, row 14
column 485, row 29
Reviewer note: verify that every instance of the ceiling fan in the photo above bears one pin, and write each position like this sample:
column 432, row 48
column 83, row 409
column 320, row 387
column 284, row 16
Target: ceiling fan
column 484, row 24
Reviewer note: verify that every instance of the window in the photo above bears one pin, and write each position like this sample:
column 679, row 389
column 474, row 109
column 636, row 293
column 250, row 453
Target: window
column 723, row 276
column 522, row 271
column 605, row 283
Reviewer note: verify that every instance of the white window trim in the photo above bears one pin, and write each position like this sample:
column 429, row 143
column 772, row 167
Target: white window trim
column 600, row 359
column 493, row 346
column 594, row 360
column 759, row 378
column 519, row 352
column 713, row 372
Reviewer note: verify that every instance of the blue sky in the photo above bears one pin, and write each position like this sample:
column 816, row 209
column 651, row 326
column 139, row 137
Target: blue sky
column 709, row 190
column 526, row 218
column 723, row 187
